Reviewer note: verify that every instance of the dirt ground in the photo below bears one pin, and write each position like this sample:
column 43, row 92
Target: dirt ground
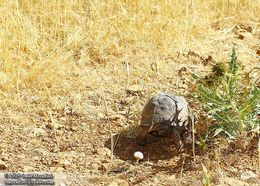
column 82, row 128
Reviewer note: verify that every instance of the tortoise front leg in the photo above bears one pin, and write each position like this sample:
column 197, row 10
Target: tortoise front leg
column 177, row 139
column 187, row 139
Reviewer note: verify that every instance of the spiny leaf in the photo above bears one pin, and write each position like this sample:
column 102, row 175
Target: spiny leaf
column 209, row 96
column 250, row 103
column 233, row 64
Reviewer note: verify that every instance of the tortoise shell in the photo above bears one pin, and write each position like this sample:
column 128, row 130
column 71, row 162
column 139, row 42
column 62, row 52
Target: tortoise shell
column 166, row 115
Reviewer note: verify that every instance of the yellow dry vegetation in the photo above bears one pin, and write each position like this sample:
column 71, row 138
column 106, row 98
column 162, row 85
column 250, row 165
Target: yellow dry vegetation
column 61, row 47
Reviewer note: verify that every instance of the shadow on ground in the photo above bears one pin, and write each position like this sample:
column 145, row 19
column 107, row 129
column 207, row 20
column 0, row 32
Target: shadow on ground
column 160, row 154
column 156, row 148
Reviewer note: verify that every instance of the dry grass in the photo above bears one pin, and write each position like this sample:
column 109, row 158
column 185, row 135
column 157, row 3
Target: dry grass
column 66, row 48
column 64, row 57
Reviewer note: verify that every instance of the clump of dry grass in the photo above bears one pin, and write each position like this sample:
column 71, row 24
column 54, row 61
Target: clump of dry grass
column 59, row 48
column 44, row 41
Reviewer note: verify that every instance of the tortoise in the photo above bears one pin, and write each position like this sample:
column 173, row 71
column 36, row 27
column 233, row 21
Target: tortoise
column 167, row 115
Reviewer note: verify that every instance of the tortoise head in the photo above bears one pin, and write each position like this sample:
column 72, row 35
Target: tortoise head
column 159, row 109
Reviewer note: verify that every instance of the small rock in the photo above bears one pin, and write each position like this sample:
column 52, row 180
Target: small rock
column 39, row 132
column 69, row 110
column 66, row 163
column 73, row 128
column 3, row 165
column 95, row 166
column 119, row 166
column 123, row 183
column 115, row 166
column 56, row 169
column 104, row 167
column 113, row 184
column 27, row 168
column 248, row 175
column 135, row 90
column 104, row 151
column 76, row 99
column 101, row 115
column 120, row 182
column 116, row 117
column 182, row 71
column 172, row 177
column 54, row 126
column 63, row 119
column 60, row 132
column 196, row 183
column 35, row 99
column 232, row 181
column 122, row 112
column 73, row 154
column 118, row 161
column 35, row 158
column 42, row 151
column 61, row 179
column 41, row 112
column 156, row 180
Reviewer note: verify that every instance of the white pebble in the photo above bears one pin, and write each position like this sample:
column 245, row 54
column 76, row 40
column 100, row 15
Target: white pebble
column 248, row 175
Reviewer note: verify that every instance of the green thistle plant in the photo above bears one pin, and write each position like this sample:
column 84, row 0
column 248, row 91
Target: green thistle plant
column 232, row 104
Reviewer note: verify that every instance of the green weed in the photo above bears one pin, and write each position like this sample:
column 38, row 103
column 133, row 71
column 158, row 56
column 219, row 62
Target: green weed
column 231, row 102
